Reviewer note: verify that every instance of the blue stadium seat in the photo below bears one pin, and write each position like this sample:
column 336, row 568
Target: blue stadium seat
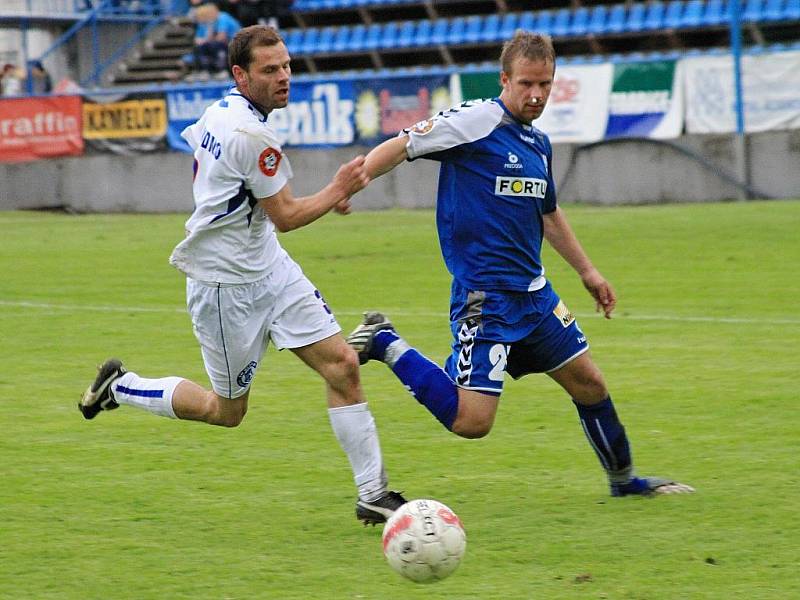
column 615, row 22
column 455, row 34
column 561, row 22
column 309, row 43
column 389, row 35
column 372, row 38
column 472, row 33
column 422, row 36
column 439, row 32
column 407, row 34
column 293, row 39
column 491, row 29
column 753, row 10
column 773, row 10
column 355, row 41
column 527, row 21
column 341, row 38
column 791, row 12
column 508, row 25
column 325, row 41
column 692, row 14
column 579, row 24
column 544, row 22
column 635, row 20
column 598, row 20
column 654, row 17
column 673, row 14
column 715, row 13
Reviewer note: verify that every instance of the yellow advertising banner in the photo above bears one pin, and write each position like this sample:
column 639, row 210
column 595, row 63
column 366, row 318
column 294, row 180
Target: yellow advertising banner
column 128, row 119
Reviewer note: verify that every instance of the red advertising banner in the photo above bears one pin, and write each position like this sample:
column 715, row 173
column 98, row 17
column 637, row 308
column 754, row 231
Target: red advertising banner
column 33, row 128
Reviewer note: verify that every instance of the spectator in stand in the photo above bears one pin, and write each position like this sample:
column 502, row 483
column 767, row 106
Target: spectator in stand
column 276, row 10
column 214, row 30
column 258, row 12
column 11, row 80
column 41, row 82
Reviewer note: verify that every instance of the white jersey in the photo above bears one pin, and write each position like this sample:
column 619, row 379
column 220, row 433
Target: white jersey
column 237, row 160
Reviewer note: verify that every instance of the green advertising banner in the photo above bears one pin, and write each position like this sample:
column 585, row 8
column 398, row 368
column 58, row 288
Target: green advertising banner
column 477, row 86
column 644, row 102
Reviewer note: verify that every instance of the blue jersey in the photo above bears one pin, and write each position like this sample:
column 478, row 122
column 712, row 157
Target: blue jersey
column 495, row 183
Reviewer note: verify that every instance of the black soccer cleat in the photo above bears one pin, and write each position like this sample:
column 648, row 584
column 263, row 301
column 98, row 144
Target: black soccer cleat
column 360, row 339
column 379, row 511
column 649, row 486
column 98, row 397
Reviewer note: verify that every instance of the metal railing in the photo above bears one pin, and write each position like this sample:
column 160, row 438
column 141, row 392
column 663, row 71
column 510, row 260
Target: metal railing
column 89, row 14
column 103, row 9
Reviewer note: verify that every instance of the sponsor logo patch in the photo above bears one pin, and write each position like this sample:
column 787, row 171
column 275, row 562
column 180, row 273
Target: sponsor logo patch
column 268, row 161
column 513, row 162
column 562, row 312
column 520, row 186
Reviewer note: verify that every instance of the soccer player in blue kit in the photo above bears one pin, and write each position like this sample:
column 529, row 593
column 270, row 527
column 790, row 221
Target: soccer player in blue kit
column 496, row 202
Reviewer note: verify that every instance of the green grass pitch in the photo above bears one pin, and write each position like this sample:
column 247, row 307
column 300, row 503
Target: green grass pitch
column 701, row 358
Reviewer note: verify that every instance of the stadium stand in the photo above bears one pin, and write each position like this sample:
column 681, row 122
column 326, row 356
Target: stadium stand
column 404, row 33
column 326, row 36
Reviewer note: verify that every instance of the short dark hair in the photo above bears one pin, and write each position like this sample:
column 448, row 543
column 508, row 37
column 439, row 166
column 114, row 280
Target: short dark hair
column 526, row 44
column 241, row 46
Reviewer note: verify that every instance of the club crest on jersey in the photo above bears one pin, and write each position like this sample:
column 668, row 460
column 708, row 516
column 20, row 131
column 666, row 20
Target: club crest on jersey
column 246, row 375
column 422, row 127
column 268, row 161
column 520, row 186
column 562, row 312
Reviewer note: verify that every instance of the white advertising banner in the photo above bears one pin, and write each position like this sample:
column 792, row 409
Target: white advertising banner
column 771, row 93
column 578, row 107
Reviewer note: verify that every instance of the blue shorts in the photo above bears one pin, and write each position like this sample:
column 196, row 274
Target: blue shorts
column 509, row 332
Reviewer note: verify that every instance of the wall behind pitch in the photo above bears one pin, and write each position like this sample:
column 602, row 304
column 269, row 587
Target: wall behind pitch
column 629, row 172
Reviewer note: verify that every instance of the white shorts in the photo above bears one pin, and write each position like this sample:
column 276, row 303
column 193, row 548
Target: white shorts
column 234, row 323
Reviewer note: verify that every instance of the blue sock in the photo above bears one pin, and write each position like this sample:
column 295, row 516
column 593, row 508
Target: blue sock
column 607, row 436
column 379, row 343
column 428, row 383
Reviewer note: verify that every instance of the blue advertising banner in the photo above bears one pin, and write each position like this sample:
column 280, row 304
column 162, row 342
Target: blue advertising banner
column 184, row 108
column 319, row 114
column 385, row 106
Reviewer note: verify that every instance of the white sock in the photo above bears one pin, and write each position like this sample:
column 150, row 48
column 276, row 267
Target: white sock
column 355, row 429
column 153, row 395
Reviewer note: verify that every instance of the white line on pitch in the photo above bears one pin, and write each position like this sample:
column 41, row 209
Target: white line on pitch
column 393, row 312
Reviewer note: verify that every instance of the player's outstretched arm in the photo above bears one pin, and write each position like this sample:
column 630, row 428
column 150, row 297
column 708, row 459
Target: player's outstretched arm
column 559, row 234
column 386, row 156
column 288, row 212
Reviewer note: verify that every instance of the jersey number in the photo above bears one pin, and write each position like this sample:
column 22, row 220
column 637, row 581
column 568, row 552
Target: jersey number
column 498, row 356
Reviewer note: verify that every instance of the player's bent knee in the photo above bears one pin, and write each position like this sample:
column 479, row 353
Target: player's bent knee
column 229, row 420
column 227, row 412
column 472, row 429
column 346, row 364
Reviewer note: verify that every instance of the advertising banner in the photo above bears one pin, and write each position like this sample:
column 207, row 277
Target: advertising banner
column 184, row 107
column 578, row 107
column 770, row 85
column 385, row 106
column 646, row 101
column 479, row 86
column 40, row 127
column 319, row 114
column 125, row 125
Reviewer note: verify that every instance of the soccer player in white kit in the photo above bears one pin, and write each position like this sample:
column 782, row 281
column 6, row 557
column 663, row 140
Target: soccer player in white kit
column 243, row 289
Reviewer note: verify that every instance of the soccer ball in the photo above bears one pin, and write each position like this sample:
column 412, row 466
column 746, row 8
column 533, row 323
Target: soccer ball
column 424, row 541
